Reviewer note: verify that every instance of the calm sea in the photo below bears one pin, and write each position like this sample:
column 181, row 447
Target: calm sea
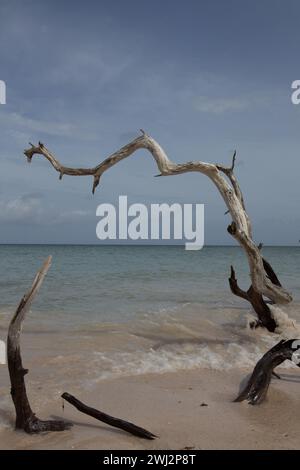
column 88, row 284
column 111, row 311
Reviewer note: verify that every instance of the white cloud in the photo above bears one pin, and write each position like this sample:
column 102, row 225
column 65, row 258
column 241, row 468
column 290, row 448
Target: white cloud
column 18, row 122
column 89, row 67
column 30, row 208
column 72, row 215
column 220, row 105
column 24, row 208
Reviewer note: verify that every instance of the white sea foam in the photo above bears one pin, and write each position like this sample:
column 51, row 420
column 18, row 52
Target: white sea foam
column 5, row 417
column 197, row 343
column 179, row 357
column 192, row 338
column 287, row 326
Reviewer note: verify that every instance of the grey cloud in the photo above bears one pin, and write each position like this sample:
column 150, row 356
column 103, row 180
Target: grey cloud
column 90, row 84
column 206, row 104
column 83, row 66
column 21, row 209
column 18, row 122
column 72, row 215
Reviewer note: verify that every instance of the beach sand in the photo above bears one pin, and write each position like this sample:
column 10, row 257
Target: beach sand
column 171, row 406
column 156, row 373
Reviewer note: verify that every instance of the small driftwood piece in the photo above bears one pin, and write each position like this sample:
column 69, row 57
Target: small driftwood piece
column 105, row 418
column 257, row 387
column 25, row 418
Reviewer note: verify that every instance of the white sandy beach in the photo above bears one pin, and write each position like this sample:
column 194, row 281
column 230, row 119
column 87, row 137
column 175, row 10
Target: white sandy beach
column 149, row 226
column 155, row 368
column 171, row 406
column 168, row 404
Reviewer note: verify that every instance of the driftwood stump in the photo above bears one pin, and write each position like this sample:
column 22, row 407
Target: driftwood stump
column 25, row 418
column 257, row 386
column 257, row 301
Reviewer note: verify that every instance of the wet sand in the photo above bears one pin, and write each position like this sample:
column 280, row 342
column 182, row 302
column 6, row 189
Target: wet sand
column 156, row 373
column 171, row 406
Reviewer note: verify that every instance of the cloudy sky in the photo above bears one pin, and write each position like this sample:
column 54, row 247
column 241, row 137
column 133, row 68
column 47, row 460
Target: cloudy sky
column 204, row 77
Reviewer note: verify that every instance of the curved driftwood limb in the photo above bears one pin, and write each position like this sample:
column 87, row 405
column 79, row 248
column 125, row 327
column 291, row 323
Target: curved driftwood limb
column 115, row 422
column 25, row 418
column 256, row 389
column 261, row 283
column 229, row 172
column 235, row 289
column 261, row 308
column 223, row 178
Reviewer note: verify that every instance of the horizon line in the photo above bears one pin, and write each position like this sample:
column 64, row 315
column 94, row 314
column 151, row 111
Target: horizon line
column 135, row 245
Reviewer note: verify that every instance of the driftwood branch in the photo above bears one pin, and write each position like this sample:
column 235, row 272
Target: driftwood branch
column 256, row 300
column 105, row 418
column 223, row 178
column 229, row 172
column 270, row 273
column 256, row 389
column 25, row 418
column 235, row 289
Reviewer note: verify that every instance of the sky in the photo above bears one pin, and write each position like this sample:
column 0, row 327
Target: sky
column 203, row 77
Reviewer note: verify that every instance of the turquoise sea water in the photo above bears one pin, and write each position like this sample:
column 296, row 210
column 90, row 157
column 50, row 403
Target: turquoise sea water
column 111, row 311
column 119, row 283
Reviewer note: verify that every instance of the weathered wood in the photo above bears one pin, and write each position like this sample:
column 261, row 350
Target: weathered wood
column 223, row 178
column 25, row 418
column 257, row 386
column 261, row 308
column 105, row 418
column 235, row 289
column 270, row 273
column 264, row 280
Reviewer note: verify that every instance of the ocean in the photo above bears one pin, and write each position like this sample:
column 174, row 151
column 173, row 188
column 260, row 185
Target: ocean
column 110, row 311
column 95, row 284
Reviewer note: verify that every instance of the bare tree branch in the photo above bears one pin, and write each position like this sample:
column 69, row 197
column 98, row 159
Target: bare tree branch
column 235, row 289
column 240, row 228
column 257, row 386
column 25, row 418
column 228, row 171
column 105, row 418
column 256, row 300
